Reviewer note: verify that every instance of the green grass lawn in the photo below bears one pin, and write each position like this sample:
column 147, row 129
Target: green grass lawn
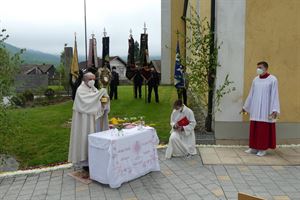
column 56, row 87
column 44, row 138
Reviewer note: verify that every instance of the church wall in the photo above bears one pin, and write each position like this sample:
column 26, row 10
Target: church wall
column 272, row 30
column 176, row 24
column 251, row 31
column 230, row 33
column 273, row 35
column 165, row 41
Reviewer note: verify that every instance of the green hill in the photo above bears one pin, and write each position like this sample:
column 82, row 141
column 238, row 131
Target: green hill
column 37, row 57
column 34, row 57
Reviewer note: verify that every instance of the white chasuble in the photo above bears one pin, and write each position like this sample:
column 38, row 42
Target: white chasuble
column 87, row 114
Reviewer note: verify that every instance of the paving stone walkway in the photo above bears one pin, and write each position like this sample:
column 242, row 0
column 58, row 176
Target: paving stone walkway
column 179, row 179
column 237, row 156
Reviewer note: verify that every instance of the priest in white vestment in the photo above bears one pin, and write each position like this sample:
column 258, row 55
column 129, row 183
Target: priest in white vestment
column 262, row 104
column 89, row 114
column 182, row 140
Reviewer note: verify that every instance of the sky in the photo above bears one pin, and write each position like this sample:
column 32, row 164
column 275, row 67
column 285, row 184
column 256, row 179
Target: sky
column 46, row 25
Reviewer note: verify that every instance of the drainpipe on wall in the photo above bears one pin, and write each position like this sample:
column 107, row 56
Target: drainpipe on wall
column 211, row 73
column 183, row 17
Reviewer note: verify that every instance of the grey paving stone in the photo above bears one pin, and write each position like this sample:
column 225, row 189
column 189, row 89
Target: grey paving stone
column 7, row 181
column 187, row 191
column 102, row 198
column 263, row 195
column 276, row 192
column 192, row 197
column 53, row 197
column 160, row 196
column 10, row 197
column 203, row 192
column 179, row 179
column 24, row 197
column 209, row 197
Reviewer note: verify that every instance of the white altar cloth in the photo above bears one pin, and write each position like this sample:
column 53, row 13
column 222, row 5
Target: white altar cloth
column 117, row 158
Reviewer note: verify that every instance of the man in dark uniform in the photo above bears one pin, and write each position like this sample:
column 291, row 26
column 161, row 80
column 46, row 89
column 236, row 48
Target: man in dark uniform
column 153, row 83
column 114, row 84
column 76, row 84
column 138, row 82
column 182, row 91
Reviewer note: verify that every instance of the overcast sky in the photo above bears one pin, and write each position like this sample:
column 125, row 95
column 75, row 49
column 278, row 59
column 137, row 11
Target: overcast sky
column 46, row 25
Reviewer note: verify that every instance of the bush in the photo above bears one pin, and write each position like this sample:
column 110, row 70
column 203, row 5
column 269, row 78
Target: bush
column 49, row 93
column 28, row 95
column 18, row 100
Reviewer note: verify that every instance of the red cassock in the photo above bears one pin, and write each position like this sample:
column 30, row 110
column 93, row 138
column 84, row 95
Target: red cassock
column 262, row 135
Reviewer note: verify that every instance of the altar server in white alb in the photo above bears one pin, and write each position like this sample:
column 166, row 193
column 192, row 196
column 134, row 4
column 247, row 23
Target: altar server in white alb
column 182, row 140
column 262, row 104
column 89, row 114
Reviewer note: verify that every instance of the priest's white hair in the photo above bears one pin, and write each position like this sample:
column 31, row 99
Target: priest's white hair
column 86, row 75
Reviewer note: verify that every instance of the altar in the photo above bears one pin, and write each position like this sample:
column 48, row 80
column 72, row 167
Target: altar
column 116, row 156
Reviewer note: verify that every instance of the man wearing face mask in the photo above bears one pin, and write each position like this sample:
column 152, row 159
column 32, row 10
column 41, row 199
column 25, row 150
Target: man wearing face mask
column 263, row 106
column 90, row 111
column 182, row 140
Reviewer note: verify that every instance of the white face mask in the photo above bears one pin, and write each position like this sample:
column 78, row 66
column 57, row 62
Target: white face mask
column 91, row 83
column 259, row 71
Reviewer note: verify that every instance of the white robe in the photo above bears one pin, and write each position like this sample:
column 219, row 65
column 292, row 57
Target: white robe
column 263, row 99
column 182, row 143
column 87, row 113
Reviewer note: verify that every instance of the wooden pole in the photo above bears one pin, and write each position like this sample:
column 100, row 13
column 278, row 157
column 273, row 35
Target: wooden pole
column 145, row 91
column 85, row 31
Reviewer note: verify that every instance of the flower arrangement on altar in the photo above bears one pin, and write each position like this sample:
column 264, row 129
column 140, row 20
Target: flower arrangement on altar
column 127, row 122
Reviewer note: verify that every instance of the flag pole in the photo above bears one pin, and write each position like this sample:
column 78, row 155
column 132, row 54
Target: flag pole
column 85, row 33
column 145, row 32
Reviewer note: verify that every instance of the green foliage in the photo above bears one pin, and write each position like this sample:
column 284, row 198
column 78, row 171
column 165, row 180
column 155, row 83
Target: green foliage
column 202, row 62
column 9, row 66
column 223, row 90
column 49, row 93
column 63, row 79
column 28, row 95
column 18, row 100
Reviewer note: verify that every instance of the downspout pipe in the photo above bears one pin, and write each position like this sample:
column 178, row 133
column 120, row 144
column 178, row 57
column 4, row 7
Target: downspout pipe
column 212, row 72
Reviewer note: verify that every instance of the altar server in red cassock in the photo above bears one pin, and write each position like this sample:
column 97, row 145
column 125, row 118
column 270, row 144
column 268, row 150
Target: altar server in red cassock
column 262, row 104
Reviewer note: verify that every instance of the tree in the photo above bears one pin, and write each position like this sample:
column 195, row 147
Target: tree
column 9, row 66
column 202, row 64
column 63, row 79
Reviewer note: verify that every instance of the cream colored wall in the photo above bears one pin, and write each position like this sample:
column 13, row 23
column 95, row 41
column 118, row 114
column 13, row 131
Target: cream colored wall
column 205, row 7
column 176, row 24
column 166, row 41
column 273, row 35
column 202, row 7
column 230, row 32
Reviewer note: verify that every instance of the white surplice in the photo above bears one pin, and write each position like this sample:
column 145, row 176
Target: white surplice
column 263, row 99
column 87, row 113
column 182, row 143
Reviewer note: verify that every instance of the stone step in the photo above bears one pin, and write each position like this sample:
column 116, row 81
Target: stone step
column 205, row 138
